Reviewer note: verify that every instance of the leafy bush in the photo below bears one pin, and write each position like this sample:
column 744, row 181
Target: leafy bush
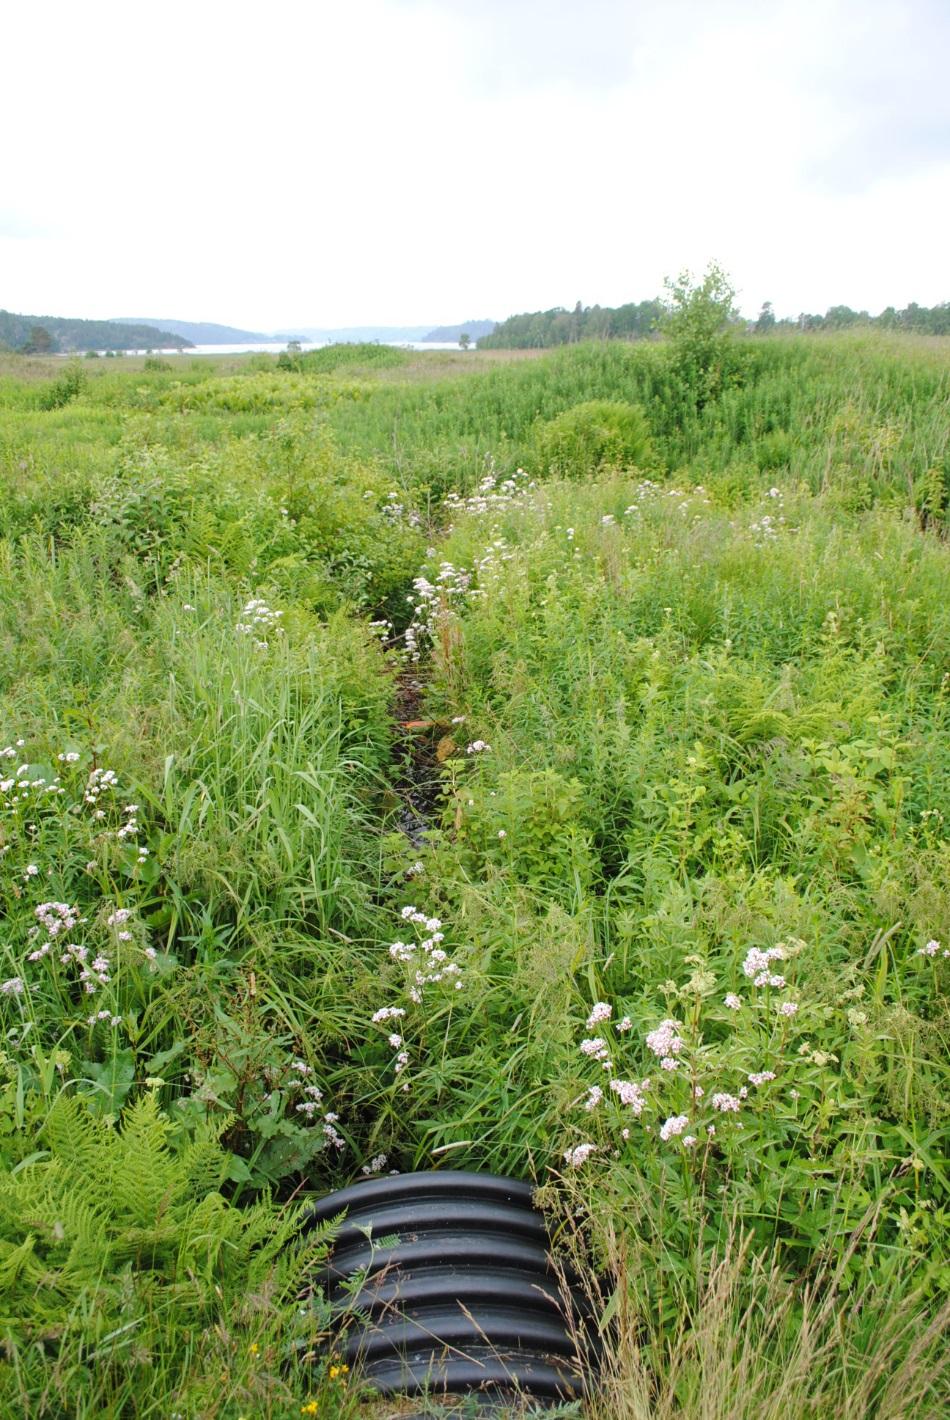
column 331, row 358
column 69, row 386
column 530, row 828
column 592, row 436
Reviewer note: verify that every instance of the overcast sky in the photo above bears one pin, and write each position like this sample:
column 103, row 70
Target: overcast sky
column 404, row 161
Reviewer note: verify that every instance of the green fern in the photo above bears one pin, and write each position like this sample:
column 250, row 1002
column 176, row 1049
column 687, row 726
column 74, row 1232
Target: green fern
column 119, row 1254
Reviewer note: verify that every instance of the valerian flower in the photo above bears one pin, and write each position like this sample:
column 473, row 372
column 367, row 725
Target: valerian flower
column 674, row 1125
column 579, row 1155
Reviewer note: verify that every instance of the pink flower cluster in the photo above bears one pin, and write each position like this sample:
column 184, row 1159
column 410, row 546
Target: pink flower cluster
column 758, row 966
column 666, row 1044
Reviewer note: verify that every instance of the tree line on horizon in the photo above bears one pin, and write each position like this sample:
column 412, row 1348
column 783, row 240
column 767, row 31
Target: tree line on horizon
column 640, row 320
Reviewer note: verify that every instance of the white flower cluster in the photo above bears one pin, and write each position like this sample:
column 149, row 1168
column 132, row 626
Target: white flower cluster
column 100, row 781
column 631, row 1094
column 433, row 605
column 395, row 511
column 104, row 1016
column 666, row 1042
column 376, row 1165
column 20, row 789
column 310, row 1105
column 330, row 1132
column 258, row 619
column 489, row 565
column 427, row 964
column 575, row 1158
column 57, row 917
column 435, row 602
column 647, row 492
column 766, row 527
column 676, row 1124
column 600, row 1011
column 387, row 1013
column 493, row 495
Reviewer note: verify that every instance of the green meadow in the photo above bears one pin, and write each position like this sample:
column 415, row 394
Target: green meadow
column 538, row 764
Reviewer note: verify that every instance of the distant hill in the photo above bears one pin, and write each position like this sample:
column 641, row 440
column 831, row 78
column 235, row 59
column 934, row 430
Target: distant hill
column 65, row 334
column 199, row 332
column 475, row 328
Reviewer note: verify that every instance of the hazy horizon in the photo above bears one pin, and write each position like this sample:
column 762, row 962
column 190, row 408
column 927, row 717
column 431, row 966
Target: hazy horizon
column 358, row 166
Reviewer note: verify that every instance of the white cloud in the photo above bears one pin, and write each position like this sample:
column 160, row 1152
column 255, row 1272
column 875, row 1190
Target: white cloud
column 410, row 160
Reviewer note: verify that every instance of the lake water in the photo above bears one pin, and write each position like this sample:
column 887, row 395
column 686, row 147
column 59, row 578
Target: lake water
column 274, row 347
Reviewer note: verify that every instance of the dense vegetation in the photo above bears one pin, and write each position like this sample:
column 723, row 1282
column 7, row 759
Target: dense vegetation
column 46, row 334
column 651, row 905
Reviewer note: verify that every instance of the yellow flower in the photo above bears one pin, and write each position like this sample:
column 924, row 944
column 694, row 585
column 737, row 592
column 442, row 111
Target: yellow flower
column 253, row 1348
column 338, row 1371
column 309, row 1409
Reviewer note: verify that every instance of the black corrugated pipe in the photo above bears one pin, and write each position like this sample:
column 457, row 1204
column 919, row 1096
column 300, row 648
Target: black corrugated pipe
column 465, row 1298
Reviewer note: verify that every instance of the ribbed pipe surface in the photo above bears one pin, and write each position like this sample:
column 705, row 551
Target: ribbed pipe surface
column 454, row 1287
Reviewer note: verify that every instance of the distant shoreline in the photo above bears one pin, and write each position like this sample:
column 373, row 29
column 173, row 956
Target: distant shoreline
column 269, row 347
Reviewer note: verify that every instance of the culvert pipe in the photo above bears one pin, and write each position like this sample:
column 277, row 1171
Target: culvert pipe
column 443, row 1282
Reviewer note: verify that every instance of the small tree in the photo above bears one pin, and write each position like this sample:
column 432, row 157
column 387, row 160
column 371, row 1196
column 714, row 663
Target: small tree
column 465, row 340
column 38, row 342
column 291, row 358
column 766, row 319
column 697, row 320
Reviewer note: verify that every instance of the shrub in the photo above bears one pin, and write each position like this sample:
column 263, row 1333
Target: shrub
column 336, row 357
column 69, row 386
column 697, row 321
column 601, row 433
